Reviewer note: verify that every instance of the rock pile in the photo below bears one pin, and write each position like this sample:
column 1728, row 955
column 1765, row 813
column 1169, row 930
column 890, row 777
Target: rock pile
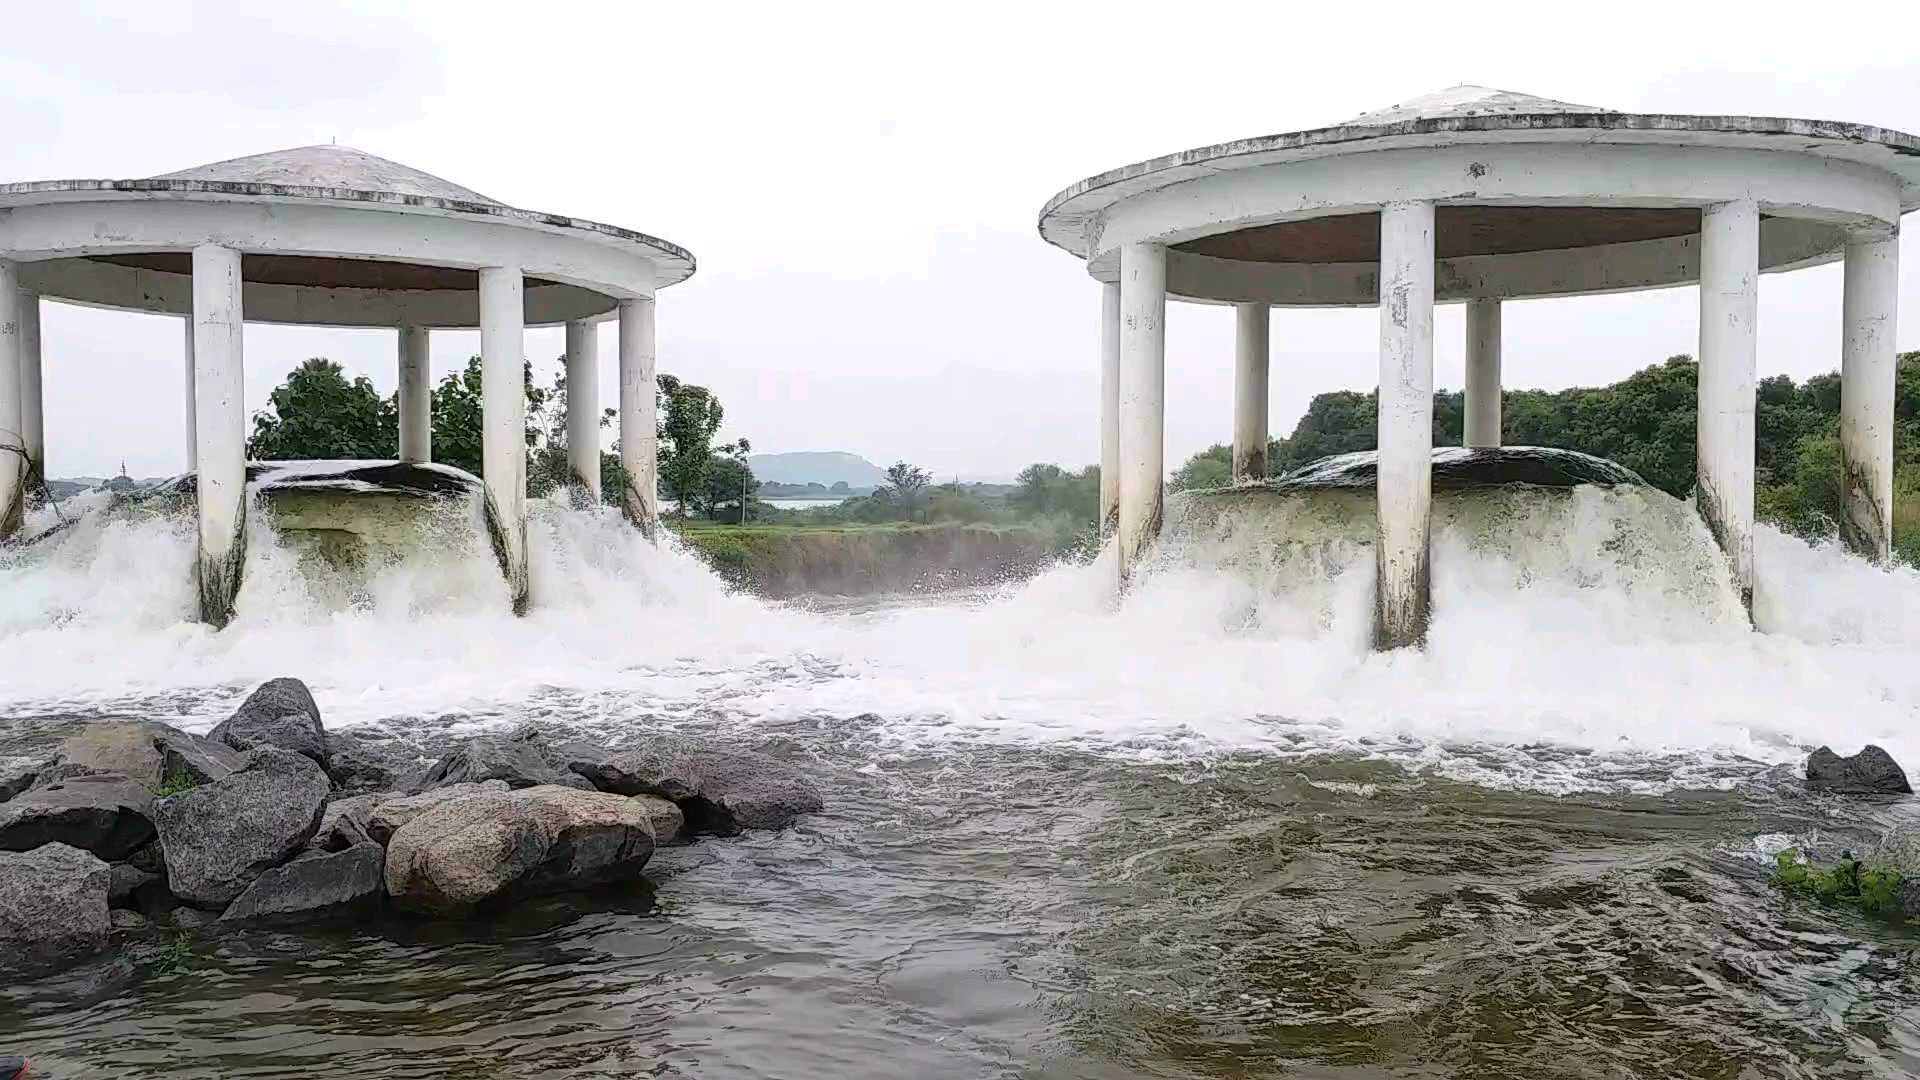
column 133, row 824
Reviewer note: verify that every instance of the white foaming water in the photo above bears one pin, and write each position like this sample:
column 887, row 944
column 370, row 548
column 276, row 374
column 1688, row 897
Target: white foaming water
column 1593, row 621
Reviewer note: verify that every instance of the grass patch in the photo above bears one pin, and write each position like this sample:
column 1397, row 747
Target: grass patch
column 1847, row 883
column 175, row 955
column 175, row 782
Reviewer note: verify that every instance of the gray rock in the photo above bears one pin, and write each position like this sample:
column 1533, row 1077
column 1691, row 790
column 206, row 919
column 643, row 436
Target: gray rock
column 193, row 759
column 665, row 816
column 109, row 816
column 1872, row 771
column 123, row 748
column 357, row 765
column 344, row 823
column 282, row 713
column 19, row 778
column 354, row 877
column 389, row 814
column 186, row 918
column 221, row 836
column 498, row 845
column 124, row 882
column 123, row 922
column 150, row 858
column 53, row 908
column 719, row 791
column 521, row 758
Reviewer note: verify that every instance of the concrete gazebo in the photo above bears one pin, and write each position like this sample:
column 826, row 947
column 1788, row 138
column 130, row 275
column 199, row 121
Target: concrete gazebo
column 1478, row 195
column 329, row 236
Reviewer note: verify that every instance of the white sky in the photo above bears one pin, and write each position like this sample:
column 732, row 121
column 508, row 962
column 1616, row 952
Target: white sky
column 860, row 183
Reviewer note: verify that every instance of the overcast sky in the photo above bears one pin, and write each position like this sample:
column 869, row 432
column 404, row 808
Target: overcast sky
column 860, row 184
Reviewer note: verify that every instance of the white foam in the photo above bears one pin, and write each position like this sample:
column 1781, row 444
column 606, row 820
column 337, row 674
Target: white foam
column 1600, row 624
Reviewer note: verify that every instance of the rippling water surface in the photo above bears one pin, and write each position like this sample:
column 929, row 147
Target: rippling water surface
column 1204, row 835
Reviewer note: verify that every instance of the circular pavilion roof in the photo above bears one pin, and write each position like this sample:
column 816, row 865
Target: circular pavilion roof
column 1533, row 197
column 328, row 235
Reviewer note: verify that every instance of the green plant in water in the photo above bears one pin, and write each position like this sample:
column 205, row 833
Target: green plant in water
column 175, row 956
column 175, row 782
column 1871, row 888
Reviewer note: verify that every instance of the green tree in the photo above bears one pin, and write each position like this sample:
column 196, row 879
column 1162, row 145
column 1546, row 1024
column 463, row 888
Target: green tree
column 317, row 414
column 905, row 488
column 689, row 417
column 730, row 480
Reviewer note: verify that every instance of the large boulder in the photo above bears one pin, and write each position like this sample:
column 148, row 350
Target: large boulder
column 344, row 823
column 357, row 765
column 143, row 751
column 1901, row 850
column 17, row 778
column 313, row 883
column 221, row 836
column 53, row 908
column 109, row 816
column 719, row 791
column 520, row 757
column 492, row 846
column 282, row 713
column 388, row 814
column 668, row 821
column 1872, row 771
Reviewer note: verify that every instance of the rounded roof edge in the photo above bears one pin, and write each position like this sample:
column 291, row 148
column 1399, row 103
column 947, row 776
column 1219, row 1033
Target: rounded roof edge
column 676, row 258
column 1101, row 190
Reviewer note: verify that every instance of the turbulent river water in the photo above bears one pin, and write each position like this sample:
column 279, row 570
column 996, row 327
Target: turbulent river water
column 1204, row 834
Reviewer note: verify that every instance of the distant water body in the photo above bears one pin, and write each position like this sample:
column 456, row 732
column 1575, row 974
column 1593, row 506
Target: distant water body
column 1203, row 833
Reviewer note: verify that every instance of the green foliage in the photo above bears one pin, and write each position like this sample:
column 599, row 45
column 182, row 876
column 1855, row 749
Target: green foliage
column 1210, row 468
column 317, row 413
column 689, row 417
column 457, row 415
column 175, row 955
column 730, row 482
column 1873, row 889
column 175, row 782
column 1051, row 491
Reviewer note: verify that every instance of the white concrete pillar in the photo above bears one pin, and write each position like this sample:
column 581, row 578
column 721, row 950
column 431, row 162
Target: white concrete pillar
column 503, row 424
column 13, row 444
column 1483, row 373
column 1867, row 373
column 1252, row 324
column 1109, row 409
column 1729, row 310
column 416, row 394
column 1143, row 399
column 1405, row 485
column 220, row 431
column 33, row 424
column 193, row 440
column 638, row 459
column 583, row 407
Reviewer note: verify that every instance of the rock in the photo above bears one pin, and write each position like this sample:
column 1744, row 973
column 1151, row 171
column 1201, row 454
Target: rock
column 498, row 845
column 221, row 836
column 193, row 759
column 340, row 879
column 53, row 908
column 357, row 765
column 124, row 881
column 389, row 814
column 1901, row 850
column 150, row 858
column 282, row 713
column 1872, row 771
column 719, row 791
column 186, row 918
column 665, row 816
column 106, row 815
column 344, row 823
column 19, row 778
column 121, row 922
column 520, row 757
column 145, row 752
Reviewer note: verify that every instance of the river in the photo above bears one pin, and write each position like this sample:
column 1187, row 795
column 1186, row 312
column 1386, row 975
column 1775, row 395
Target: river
column 1207, row 834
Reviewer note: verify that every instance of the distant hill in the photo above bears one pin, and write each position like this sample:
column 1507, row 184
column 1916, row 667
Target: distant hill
column 818, row 467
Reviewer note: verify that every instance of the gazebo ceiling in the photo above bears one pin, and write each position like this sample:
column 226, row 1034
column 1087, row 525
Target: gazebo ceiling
column 320, row 272
column 1458, row 231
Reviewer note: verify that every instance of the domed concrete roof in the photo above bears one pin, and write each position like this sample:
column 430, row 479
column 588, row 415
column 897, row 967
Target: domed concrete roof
column 1469, row 100
column 339, row 167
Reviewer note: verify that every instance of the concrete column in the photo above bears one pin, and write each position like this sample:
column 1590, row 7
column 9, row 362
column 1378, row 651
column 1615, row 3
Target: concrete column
column 1729, row 309
column 583, row 407
column 503, row 405
column 220, row 432
column 416, row 394
column 1405, row 487
column 638, row 460
column 1109, row 409
column 1251, row 326
column 1483, row 373
column 13, row 445
column 193, row 440
column 1143, row 399
column 1867, row 367
column 33, row 424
